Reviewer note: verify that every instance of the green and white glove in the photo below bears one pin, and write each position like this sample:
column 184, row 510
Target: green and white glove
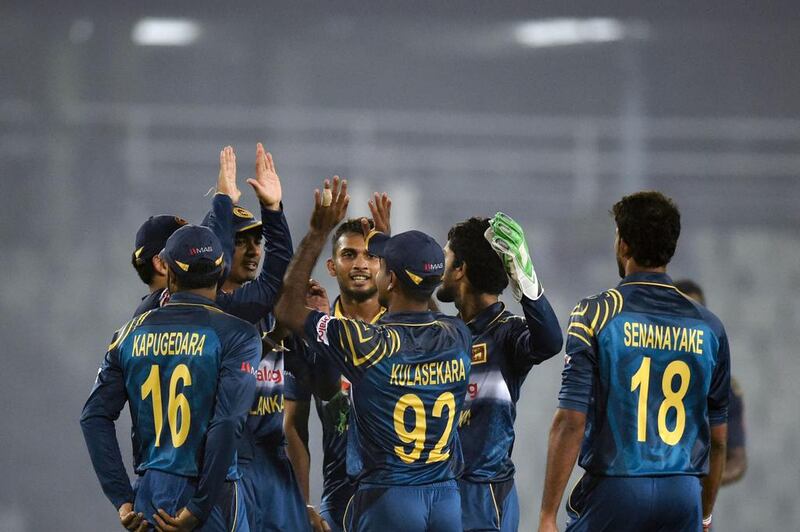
column 508, row 240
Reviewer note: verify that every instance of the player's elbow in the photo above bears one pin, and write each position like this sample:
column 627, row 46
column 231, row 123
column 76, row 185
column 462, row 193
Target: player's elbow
column 568, row 423
column 552, row 343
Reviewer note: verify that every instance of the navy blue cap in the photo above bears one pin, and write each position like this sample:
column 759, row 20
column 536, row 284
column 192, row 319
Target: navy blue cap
column 153, row 234
column 194, row 251
column 416, row 258
column 243, row 220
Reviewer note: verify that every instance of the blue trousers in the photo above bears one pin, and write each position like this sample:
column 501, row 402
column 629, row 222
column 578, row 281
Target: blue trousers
column 490, row 506
column 334, row 518
column 271, row 492
column 429, row 508
column 633, row 504
column 156, row 489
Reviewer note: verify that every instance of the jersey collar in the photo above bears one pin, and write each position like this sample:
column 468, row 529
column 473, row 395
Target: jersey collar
column 486, row 317
column 338, row 311
column 648, row 278
column 189, row 298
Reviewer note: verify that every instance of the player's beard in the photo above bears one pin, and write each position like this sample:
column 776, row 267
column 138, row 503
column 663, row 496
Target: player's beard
column 359, row 296
column 621, row 267
column 446, row 294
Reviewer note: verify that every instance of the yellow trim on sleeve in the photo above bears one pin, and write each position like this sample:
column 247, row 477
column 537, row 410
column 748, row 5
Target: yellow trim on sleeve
column 576, row 335
column 580, row 325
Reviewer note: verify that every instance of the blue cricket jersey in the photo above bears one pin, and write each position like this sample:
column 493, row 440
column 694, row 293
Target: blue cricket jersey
column 183, row 369
column 651, row 370
column 310, row 375
column 409, row 375
column 504, row 349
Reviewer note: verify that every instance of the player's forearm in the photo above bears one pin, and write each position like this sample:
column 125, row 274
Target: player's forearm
column 101, row 441
column 221, row 223
column 735, row 465
column 711, row 482
column 297, row 444
column 564, row 444
column 278, row 248
column 544, row 333
column 290, row 309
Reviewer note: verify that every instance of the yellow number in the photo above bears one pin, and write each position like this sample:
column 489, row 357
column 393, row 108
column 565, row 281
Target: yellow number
column 642, row 378
column 153, row 386
column 179, row 403
column 176, row 403
column 444, row 400
column 415, row 435
column 673, row 399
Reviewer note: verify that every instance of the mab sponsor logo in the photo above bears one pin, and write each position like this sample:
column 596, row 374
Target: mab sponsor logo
column 431, row 267
column 197, row 251
column 263, row 374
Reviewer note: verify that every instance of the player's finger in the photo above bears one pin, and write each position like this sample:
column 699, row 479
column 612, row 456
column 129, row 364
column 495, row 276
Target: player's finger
column 143, row 526
column 317, row 198
column 335, row 184
column 271, row 163
column 343, row 191
column 325, row 526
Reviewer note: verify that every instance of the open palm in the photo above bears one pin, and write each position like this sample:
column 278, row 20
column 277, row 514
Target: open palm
column 266, row 183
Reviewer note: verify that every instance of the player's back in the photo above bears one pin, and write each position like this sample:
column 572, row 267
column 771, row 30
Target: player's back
column 406, row 406
column 171, row 358
column 661, row 360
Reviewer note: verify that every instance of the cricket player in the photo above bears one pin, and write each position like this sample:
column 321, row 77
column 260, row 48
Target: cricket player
column 184, row 371
column 644, row 394
column 355, row 270
column 481, row 257
column 409, row 375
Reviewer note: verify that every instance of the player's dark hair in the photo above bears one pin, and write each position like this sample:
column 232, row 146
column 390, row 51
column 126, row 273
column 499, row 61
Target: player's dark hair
column 351, row 226
column 144, row 268
column 204, row 274
column 687, row 286
column 650, row 223
column 484, row 268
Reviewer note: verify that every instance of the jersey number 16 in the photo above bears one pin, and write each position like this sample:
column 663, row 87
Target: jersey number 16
column 176, row 403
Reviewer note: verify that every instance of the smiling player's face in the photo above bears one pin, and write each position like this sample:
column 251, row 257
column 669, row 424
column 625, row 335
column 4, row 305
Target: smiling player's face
column 355, row 269
column 246, row 257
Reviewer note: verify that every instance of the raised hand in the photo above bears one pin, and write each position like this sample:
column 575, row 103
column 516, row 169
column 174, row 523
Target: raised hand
column 508, row 240
column 266, row 183
column 327, row 216
column 381, row 208
column 226, row 182
column 317, row 297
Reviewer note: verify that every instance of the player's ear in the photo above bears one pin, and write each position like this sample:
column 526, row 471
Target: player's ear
column 159, row 266
column 623, row 250
column 331, row 267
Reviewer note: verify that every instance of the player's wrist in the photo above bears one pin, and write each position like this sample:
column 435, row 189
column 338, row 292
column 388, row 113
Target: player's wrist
column 707, row 522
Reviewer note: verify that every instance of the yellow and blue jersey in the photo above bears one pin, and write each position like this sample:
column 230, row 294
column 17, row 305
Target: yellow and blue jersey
column 184, row 371
column 314, row 376
column 651, row 370
column 504, row 349
column 409, row 375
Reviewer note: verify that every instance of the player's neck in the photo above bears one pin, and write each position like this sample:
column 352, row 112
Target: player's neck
column 362, row 310
column 632, row 267
column 400, row 303
column 229, row 286
column 208, row 293
column 471, row 304
column 159, row 283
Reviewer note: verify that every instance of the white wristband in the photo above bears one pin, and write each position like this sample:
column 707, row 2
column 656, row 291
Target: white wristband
column 707, row 520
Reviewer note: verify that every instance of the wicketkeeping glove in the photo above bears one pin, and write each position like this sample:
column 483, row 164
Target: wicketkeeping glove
column 508, row 240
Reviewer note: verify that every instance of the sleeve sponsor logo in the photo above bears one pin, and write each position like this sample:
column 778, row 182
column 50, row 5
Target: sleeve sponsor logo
column 472, row 390
column 322, row 329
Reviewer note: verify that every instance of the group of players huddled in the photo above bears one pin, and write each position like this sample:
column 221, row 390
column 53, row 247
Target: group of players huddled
column 220, row 363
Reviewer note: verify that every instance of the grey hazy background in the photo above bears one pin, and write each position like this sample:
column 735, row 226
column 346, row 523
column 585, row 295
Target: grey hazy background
column 440, row 104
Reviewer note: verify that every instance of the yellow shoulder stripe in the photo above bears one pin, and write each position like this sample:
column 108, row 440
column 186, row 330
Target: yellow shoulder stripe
column 578, row 336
